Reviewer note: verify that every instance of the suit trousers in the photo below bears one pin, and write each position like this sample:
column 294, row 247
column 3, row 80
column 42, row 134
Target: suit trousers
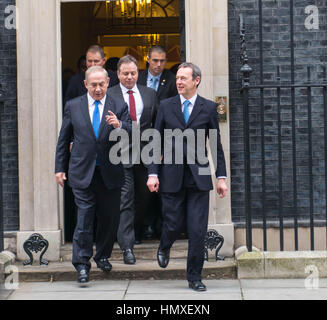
column 102, row 203
column 189, row 206
column 135, row 199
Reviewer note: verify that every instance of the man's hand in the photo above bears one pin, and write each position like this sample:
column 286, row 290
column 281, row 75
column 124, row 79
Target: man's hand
column 153, row 184
column 60, row 177
column 112, row 120
column 222, row 187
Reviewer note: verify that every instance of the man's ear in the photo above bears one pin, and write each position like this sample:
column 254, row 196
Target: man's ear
column 85, row 84
column 198, row 80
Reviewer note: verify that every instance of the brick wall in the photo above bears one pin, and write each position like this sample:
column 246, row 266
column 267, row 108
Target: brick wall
column 310, row 49
column 8, row 80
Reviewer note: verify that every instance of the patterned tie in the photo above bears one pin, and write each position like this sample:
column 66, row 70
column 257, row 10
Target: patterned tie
column 132, row 108
column 186, row 111
column 154, row 83
column 96, row 118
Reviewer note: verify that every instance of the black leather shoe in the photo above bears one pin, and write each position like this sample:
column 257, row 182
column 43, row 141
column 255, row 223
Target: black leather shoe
column 163, row 257
column 128, row 256
column 197, row 285
column 82, row 275
column 137, row 241
column 103, row 264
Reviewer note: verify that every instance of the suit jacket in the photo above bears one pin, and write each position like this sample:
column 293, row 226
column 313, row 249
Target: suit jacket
column 77, row 88
column 81, row 163
column 149, row 99
column 170, row 116
column 167, row 84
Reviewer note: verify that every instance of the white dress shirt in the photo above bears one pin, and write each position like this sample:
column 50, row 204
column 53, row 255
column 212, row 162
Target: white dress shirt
column 138, row 100
column 92, row 106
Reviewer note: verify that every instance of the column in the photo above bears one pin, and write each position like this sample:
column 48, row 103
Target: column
column 38, row 103
column 207, row 46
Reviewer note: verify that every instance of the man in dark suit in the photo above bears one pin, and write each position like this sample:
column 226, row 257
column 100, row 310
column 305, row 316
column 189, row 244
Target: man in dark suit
column 163, row 82
column 94, row 57
column 96, row 181
column 157, row 77
column 142, row 103
column 183, row 186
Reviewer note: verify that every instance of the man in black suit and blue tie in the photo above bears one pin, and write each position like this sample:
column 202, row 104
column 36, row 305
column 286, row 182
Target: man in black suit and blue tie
column 183, row 186
column 156, row 76
column 96, row 181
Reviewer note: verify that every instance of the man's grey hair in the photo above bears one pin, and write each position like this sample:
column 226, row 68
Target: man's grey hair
column 95, row 69
column 196, row 72
column 127, row 59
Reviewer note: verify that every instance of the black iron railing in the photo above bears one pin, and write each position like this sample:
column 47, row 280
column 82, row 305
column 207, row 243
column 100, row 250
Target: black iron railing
column 285, row 201
column 1, row 197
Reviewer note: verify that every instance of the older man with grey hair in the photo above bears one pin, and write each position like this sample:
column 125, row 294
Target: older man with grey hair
column 96, row 181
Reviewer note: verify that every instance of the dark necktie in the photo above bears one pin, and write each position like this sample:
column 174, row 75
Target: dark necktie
column 96, row 118
column 186, row 111
column 132, row 108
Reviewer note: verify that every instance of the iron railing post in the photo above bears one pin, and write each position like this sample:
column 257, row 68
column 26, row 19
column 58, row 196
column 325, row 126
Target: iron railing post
column 246, row 72
column 1, row 202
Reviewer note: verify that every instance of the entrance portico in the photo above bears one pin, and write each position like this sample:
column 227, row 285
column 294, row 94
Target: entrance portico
column 40, row 111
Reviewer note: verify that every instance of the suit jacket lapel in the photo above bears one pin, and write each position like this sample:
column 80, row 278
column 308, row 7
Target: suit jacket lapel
column 103, row 122
column 86, row 113
column 196, row 109
column 162, row 81
column 118, row 91
column 143, row 76
column 146, row 105
column 178, row 110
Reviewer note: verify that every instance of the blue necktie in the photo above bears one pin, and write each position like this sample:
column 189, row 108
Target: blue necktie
column 154, row 83
column 186, row 111
column 96, row 118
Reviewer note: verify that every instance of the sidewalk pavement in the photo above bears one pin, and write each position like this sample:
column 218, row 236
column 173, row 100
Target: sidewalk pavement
column 230, row 289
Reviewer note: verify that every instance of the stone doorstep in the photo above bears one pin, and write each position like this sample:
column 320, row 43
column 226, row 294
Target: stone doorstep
column 147, row 250
column 146, row 266
column 281, row 264
column 142, row 270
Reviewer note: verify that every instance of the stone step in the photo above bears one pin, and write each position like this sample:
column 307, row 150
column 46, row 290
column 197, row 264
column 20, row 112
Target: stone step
column 146, row 266
column 147, row 250
column 142, row 270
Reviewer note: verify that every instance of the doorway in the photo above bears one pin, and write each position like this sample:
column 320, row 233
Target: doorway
column 121, row 27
